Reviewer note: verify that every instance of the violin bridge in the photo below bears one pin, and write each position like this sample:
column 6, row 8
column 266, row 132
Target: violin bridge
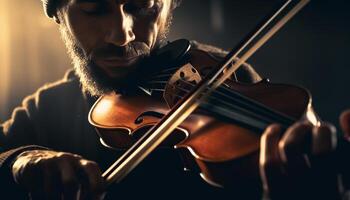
column 180, row 83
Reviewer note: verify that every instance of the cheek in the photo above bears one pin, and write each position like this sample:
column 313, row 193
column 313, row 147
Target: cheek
column 86, row 31
column 148, row 30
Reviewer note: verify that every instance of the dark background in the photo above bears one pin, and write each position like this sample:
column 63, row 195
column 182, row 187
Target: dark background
column 311, row 51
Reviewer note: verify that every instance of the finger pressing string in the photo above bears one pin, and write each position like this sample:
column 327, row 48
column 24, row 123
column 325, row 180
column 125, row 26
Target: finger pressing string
column 324, row 139
column 270, row 162
column 295, row 146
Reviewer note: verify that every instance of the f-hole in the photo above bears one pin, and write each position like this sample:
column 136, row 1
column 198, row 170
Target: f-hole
column 141, row 117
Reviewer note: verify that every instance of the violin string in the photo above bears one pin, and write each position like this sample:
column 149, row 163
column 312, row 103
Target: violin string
column 162, row 83
column 247, row 102
column 232, row 92
column 160, row 79
column 231, row 106
column 228, row 112
column 262, row 112
column 223, row 109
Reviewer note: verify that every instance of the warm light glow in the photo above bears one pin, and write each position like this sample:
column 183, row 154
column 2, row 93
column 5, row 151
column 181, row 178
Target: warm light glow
column 310, row 115
column 31, row 52
column 4, row 54
column 104, row 107
column 201, row 123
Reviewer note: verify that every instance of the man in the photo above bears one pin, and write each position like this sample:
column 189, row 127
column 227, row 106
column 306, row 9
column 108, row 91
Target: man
column 51, row 152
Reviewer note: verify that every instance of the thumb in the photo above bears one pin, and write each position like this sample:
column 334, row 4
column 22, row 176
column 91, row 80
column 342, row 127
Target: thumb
column 270, row 163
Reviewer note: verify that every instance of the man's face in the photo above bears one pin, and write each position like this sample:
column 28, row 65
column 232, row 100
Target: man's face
column 107, row 38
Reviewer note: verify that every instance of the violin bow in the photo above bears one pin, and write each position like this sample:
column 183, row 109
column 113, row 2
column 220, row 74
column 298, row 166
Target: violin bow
column 158, row 133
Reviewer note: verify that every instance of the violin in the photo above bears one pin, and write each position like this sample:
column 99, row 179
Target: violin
column 189, row 101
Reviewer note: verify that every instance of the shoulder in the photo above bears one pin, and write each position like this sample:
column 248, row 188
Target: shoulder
column 55, row 94
column 246, row 73
column 48, row 101
column 69, row 83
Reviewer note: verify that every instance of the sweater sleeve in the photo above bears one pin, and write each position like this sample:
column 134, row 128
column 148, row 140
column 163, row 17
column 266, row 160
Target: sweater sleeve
column 24, row 130
column 16, row 136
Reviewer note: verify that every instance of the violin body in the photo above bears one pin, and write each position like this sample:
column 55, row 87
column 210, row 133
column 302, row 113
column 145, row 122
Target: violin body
column 225, row 153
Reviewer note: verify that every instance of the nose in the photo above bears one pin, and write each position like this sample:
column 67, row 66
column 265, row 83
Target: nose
column 121, row 29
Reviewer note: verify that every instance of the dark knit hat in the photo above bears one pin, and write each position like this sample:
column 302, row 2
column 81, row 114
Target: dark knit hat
column 49, row 7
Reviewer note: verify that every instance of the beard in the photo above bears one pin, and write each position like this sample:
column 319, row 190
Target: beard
column 94, row 80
